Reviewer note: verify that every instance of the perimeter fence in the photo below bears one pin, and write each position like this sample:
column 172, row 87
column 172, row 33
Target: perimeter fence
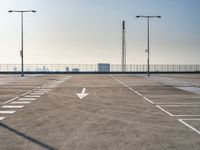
column 96, row 68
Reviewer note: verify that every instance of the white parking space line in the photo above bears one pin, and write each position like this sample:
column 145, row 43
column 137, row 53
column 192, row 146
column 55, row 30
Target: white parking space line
column 186, row 115
column 31, row 96
column 37, row 93
column 189, row 126
column 30, row 91
column 54, row 84
column 27, row 92
column 198, row 119
column 7, row 112
column 1, row 118
column 27, row 99
column 177, row 103
column 24, row 94
column 164, row 110
column 173, row 105
column 132, row 90
column 45, row 85
column 21, row 102
column 11, row 100
column 169, row 104
column 12, row 106
column 148, row 100
column 138, row 93
column 51, row 86
column 44, row 90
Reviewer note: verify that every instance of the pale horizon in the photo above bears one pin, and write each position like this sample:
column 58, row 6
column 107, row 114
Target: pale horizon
column 89, row 31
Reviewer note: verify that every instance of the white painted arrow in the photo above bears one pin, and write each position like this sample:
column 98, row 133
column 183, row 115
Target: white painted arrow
column 82, row 94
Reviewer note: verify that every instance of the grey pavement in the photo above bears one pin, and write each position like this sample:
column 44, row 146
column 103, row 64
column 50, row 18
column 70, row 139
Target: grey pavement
column 120, row 112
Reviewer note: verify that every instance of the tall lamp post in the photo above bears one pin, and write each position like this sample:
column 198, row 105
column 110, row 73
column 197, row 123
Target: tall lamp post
column 22, row 36
column 148, row 53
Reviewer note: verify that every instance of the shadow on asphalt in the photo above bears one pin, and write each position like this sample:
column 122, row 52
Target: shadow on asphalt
column 43, row 145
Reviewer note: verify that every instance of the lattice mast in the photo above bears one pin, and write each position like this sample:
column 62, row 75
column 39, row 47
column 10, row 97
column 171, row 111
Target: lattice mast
column 123, row 63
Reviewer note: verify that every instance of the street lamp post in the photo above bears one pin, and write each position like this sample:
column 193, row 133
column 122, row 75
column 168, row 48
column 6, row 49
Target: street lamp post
column 148, row 52
column 22, row 36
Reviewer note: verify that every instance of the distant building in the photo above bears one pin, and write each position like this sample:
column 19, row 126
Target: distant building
column 15, row 68
column 102, row 67
column 75, row 70
column 67, row 69
column 45, row 68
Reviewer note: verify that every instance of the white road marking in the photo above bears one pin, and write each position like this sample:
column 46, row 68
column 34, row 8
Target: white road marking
column 132, row 90
column 37, row 93
column 164, row 110
column 173, row 105
column 54, row 84
column 44, row 85
column 173, row 114
column 1, row 118
column 177, row 103
column 82, row 94
column 11, row 100
column 137, row 93
column 27, row 92
column 44, row 90
column 189, row 126
column 186, row 115
column 119, row 81
column 21, row 102
column 32, row 96
column 51, row 86
column 12, row 106
column 148, row 100
column 192, row 119
column 7, row 112
column 24, row 94
column 27, row 99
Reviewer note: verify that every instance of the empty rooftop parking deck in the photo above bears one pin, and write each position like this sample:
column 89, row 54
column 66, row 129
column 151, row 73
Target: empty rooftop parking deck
column 100, row 112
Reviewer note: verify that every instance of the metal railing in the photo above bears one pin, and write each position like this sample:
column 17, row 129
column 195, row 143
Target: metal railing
column 94, row 68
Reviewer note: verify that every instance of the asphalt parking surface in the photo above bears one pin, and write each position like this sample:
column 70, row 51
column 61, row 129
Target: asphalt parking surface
column 120, row 112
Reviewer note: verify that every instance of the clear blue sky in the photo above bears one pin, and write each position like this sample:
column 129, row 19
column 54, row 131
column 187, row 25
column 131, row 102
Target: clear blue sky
column 89, row 31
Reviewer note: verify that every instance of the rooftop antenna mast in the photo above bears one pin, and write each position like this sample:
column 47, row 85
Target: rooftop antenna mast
column 123, row 63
